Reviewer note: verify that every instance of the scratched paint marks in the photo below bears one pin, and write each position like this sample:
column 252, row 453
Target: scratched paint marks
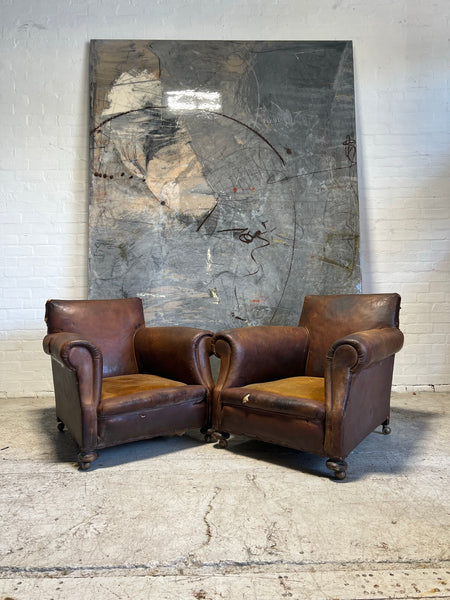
column 225, row 207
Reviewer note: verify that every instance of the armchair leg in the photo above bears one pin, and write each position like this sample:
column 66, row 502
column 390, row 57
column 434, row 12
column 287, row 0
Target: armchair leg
column 207, row 434
column 339, row 467
column 85, row 459
column 60, row 425
column 386, row 430
column 220, row 437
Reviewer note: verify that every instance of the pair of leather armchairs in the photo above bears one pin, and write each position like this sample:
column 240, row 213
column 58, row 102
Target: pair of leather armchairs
column 321, row 387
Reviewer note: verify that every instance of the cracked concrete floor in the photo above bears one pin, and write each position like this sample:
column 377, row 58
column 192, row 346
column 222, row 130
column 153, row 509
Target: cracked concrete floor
column 174, row 518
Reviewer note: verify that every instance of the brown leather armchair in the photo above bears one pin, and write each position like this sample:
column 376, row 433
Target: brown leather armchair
column 321, row 387
column 118, row 381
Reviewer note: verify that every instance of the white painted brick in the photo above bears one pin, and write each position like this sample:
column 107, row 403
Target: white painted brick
column 402, row 90
column 440, row 286
column 439, row 297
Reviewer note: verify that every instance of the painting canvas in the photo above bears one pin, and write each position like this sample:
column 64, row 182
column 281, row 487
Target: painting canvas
column 223, row 178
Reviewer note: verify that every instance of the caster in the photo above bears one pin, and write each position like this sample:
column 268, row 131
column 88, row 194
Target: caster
column 386, row 430
column 85, row 459
column 339, row 467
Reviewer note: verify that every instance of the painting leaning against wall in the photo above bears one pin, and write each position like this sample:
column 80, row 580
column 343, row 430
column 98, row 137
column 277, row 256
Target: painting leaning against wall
column 223, row 178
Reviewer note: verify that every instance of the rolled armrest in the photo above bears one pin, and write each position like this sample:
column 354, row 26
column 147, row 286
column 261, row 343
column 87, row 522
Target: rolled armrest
column 82, row 357
column 364, row 348
column 358, row 381
column 261, row 353
column 180, row 353
column 60, row 346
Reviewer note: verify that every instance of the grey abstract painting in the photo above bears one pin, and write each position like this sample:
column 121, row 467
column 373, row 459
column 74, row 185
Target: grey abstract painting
column 223, row 178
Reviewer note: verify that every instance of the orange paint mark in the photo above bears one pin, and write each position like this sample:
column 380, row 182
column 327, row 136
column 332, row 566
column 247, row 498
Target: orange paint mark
column 236, row 190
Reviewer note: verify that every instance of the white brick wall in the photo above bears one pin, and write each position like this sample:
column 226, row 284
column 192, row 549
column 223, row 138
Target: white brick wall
column 401, row 54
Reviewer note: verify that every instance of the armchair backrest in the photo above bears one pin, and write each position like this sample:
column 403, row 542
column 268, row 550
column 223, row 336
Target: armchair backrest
column 110, row 324
column 329, row 318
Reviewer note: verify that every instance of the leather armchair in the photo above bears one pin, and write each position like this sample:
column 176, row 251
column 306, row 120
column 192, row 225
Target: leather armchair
column 321, row 387
column 117, row 381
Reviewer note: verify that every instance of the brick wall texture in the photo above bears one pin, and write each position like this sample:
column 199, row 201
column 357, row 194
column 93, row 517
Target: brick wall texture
column 401, row 54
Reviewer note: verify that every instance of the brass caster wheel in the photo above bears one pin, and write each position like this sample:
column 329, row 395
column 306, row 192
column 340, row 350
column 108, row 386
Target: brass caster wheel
column 222, row 437
column 85, row 459
column 386, row 430
column 209, row 435
column 60, row 425
column 339, row 467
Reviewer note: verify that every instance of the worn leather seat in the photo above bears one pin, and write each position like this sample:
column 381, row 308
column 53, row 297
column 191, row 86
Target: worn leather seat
column 321, row 387
column 117, row 381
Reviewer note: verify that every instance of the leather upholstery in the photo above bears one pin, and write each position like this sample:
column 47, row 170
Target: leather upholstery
column 264, row 353
column 116, row 380
column 321, row 387
column 110, row 325
column 322, row 316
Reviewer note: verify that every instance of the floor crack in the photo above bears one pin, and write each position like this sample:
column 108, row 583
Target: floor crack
column 209, row 508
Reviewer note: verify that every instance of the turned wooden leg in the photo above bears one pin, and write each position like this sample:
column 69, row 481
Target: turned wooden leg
column 207, row 434
column 386, row 430
column 223, row 443
column 219, row 436
column 85, row 459
column 339, row 467
column 60, row 424
column 222, row 437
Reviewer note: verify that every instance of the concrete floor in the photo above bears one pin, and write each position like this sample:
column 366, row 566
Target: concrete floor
column 176, row 519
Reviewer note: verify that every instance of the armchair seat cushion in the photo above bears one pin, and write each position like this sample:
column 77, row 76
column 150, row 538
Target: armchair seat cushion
column 128, row 393
column 300, row 397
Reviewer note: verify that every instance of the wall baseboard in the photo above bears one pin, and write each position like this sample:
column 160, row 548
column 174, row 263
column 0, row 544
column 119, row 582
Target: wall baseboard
column 441, row 387
column 396, row 389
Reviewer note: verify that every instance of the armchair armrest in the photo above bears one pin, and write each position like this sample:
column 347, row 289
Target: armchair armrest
column 80, row 356
column 77, row 366
column 180, row 353
column 364, row 348
column 60, row 347
column 261, row 353
column 358, row 379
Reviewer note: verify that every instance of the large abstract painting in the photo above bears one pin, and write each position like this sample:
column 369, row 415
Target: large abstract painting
column 223, row 183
